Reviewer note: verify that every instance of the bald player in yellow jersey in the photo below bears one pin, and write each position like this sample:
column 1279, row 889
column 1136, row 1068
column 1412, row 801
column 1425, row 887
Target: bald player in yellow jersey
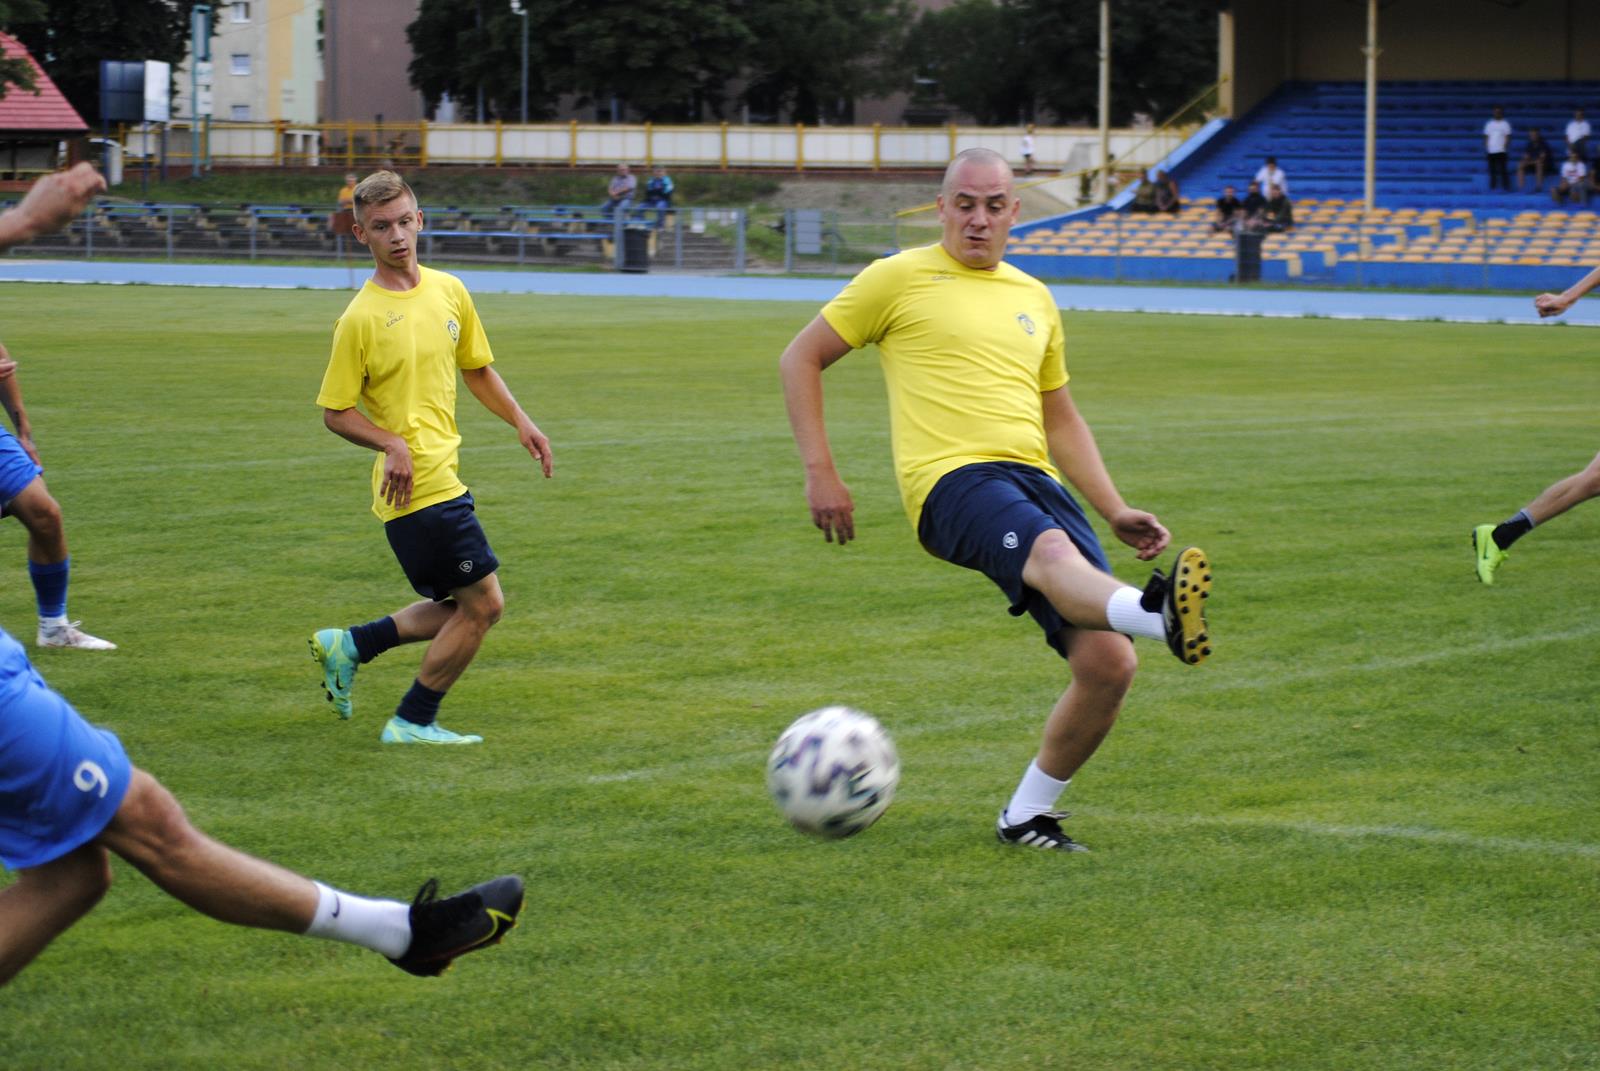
column 396, row 352
column 983, row 430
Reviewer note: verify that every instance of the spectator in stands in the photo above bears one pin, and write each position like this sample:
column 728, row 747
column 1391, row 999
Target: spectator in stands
column 1574, row 184
column 1251, row 209
column 1027, row 150
column 619, row 193
column 1230, row 211
column 347, row 193
column 1535, row 155
column 1277, row 215
column 1167, row 198
column 1578, row 136
column 658, row 193
column 1144, row 198
column 1272, row 175
column 1496, row 136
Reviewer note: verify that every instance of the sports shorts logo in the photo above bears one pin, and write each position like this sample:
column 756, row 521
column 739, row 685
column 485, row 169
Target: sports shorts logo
column 454, row 329
column 466, row 566
column 1010, row 541
column 1027, row 324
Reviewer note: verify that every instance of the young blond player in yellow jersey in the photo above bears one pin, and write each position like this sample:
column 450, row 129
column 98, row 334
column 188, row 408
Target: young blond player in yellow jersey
column 396, row 353
column 983, row 430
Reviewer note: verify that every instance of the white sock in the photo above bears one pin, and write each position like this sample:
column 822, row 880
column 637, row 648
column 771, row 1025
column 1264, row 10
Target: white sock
column 53, row 622
column 1125, row 615
column 1036, row 793
column 381, row 925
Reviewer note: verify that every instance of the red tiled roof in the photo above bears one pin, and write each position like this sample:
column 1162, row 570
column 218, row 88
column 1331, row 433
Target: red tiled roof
column 21, row 110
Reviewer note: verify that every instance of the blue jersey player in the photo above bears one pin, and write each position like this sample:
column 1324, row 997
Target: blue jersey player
column 69, row 797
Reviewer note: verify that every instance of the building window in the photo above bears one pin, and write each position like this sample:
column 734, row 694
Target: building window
column 240, row 11
column 239, row 63
column 240, row 113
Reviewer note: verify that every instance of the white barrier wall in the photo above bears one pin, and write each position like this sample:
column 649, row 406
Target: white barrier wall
column 725, row 145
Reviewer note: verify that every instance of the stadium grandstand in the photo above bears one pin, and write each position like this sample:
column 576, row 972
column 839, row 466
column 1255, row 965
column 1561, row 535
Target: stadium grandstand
column 1299, row 96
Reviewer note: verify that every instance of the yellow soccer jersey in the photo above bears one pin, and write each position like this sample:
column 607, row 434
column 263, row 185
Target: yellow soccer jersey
column 966, row 354
column 396, row 353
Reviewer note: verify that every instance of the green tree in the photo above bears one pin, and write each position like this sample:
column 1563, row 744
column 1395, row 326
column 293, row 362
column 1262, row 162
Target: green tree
column 1007, row 61
column 974, row 56
column 17, row 72
column 460, row 47
column 813, row 58
column 70, row 39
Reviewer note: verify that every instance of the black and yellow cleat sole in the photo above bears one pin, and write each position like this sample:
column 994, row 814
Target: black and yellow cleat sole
column 1191, row 587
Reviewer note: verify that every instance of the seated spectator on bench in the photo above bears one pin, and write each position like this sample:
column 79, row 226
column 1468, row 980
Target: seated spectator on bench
column 1574, row 184
column 1229, row 211
column 1277, row 215
column 1271, row 175
column 1167, row 199
column 1251, row 209
column 1536, row 155
column 658, row 193
column 1144, row 198
column 619, row 193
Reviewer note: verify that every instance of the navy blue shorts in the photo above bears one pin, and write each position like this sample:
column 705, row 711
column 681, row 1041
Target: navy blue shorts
column 17, row 469
column 986, row 517
column 441, row 548
column 61, row 779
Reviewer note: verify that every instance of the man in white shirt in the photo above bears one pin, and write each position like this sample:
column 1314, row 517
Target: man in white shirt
column 1496, row 135
column 1574, row 184
column 1272, row 175
column 1578, row 135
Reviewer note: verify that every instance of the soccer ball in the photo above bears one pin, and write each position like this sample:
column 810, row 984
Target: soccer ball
column 833, row 772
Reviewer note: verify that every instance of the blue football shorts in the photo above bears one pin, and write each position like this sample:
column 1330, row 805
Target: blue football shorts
column 441, row 547
column 17, row 469
column 986, row 516
column 61, row 779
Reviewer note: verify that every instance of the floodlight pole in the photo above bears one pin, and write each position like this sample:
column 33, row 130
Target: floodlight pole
column 199, row 51
column 1372, row 51
column 520, row 8
column 1105, row 101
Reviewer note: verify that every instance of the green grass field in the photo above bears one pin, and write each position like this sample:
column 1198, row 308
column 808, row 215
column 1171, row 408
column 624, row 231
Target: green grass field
column 1364, row 837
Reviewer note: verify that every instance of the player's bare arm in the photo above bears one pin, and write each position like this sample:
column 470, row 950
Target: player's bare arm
column 1556, row 304
column 50, row 204
column 490, row 389
column 815, row 348
column 352, row 424
column 1077, row 455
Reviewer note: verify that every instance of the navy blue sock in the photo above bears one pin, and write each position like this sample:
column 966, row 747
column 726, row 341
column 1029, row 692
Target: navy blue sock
column 50, row 586
column 420, row 705
column 1509, row 531
column 374, row 638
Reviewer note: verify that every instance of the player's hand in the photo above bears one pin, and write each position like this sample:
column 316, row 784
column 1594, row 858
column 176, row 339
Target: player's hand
column 54, row 200
column 832, row 509
column 8, row 367
column 1550, row 304
column 538, row 447
column 396, row 486
column 26, row 439
column 1141, row 531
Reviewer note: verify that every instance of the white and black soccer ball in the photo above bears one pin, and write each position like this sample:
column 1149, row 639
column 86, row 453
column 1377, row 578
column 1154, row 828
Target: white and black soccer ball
column 833, row 772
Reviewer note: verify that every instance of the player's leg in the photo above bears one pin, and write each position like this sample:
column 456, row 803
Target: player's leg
column 1491, row 542
column 340, row 651
column 477, row 607
column 152, row 832
column 49, row 567
column 1103, row 665
column 1169, row 608
column 45, row 901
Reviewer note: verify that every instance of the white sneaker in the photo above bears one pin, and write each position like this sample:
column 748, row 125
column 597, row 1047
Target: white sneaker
column 69, row 635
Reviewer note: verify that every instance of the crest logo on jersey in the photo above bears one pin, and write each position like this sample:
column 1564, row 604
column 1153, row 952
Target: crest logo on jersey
column 1010, row 541
column 454, row 329
column 1027, row 324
